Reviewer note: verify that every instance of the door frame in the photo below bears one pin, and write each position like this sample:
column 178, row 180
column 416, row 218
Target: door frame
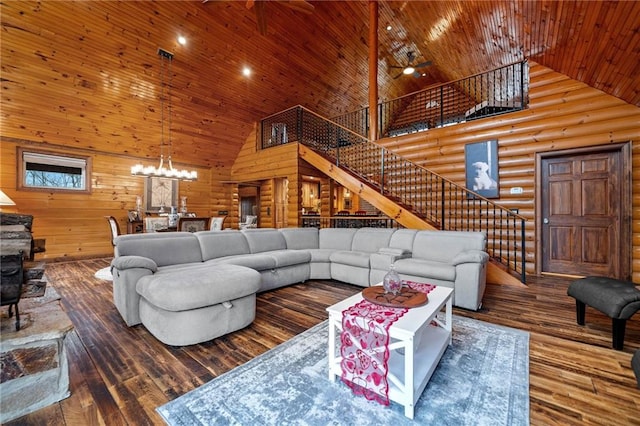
column 625, row 203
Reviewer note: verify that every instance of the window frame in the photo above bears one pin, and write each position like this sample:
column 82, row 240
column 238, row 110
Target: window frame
column 61, row 157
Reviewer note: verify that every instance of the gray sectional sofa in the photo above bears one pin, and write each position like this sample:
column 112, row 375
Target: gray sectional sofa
column 188, row 288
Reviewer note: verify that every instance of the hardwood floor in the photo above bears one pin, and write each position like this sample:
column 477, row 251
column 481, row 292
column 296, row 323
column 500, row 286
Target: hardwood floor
column 119, row 375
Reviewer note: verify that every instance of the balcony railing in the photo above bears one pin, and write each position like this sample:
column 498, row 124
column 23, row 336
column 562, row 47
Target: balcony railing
column 355, row 221
column 499, row 91
column 441, row 202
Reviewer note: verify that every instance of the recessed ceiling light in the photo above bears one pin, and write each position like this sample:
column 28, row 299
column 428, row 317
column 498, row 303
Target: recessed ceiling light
column 246, row 71
column 182, row 40
column 388, row 27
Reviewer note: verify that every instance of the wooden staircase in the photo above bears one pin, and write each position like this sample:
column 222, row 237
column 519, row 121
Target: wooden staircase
column 496, row 273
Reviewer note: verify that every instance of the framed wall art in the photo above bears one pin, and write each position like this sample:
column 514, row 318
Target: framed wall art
column 481, row 168
column 160, row 194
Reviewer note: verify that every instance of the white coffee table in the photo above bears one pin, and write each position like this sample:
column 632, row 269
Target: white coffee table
column 423, row 337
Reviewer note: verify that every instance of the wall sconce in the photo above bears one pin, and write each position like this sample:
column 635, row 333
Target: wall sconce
column 347, row 193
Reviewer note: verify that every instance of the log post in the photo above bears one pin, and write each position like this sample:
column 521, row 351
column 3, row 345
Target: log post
column 373, row 70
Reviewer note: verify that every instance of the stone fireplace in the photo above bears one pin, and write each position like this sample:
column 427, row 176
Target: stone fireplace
column 34, row 369
column 35, row 372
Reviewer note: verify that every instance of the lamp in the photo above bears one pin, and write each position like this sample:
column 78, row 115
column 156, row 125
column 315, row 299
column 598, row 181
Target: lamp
column 161, row 170
column 5, row 200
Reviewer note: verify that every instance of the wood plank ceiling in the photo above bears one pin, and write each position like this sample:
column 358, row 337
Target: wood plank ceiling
column 87, row 73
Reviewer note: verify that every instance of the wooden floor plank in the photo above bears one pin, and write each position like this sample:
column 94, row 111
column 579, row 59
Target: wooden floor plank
column 120, row 374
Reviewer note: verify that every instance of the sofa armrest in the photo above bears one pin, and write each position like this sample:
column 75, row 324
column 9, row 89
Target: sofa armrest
column 396, row 252
column 471, row 256
column 383, row 260
column 128, row 262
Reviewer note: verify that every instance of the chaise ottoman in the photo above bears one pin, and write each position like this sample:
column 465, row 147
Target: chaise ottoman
column 619, row 300
column 194, row 305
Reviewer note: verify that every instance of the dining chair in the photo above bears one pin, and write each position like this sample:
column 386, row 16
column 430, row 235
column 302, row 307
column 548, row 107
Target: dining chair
column 216, row 223
column 193, row 224
column 250, row 222
column 114, row 227
column 153, row 224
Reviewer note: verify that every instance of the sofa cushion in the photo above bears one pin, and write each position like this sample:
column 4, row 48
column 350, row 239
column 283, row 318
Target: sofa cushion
column 426, row 268
column 261, row 240
column 336, row 238
column 181, row 267
column 320, row 255
column 198, row 287
column 289, row 257
column 352, row 258
column 215, row 244
column 259, row 262
column 164, row 248
column 369, row 240
column 403, row 239
column 301, row 238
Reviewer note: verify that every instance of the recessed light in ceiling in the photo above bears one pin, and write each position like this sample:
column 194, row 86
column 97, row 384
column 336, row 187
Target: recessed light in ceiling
column 389, row 27
column 182, row 40
column 246, row 71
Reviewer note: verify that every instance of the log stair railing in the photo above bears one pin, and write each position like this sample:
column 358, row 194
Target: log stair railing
column 412, row 195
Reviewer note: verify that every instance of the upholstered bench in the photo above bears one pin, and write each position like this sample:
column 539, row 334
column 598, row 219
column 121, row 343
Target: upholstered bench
column 189, row 306
column 619, row 300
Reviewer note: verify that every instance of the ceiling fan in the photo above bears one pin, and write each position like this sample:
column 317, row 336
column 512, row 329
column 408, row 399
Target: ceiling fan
column 259, row 6
column 410, row 68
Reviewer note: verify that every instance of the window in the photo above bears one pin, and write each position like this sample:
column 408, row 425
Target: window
column 49, row 171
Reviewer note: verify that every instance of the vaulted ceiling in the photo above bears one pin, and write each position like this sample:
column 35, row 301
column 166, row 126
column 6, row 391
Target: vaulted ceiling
column 101, row 58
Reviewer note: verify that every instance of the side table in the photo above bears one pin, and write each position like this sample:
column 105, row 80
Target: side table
column 135, row 227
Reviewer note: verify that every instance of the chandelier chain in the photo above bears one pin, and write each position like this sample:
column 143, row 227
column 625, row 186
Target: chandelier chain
column 161, row 170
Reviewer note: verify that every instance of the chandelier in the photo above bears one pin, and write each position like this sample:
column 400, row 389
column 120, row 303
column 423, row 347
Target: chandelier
column 165, row 171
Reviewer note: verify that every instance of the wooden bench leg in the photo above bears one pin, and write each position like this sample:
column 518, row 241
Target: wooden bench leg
column 617, row 330
column 580, row 308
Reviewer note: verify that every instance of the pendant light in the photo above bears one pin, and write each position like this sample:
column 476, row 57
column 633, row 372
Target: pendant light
column 162, row 170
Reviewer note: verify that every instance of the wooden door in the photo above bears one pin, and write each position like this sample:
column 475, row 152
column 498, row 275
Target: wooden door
column 582, row 214
column 281, row 197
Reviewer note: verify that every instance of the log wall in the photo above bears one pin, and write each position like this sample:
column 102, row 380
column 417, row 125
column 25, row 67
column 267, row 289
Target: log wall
column 73, row 224
column 562, row 114
column 262, row 166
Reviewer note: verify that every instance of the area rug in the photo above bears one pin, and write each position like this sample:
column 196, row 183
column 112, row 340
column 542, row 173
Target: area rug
column 104, row 274
column 482, row 379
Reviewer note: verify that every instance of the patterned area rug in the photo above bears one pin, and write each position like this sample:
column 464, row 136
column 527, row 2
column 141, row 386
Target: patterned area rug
column 104, row 274
column 482, row 379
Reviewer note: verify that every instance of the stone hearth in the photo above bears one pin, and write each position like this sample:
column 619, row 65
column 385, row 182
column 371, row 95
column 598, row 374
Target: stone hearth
column 34, row 372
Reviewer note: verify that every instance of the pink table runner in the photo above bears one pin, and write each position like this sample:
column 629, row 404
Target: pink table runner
column 365, row 345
